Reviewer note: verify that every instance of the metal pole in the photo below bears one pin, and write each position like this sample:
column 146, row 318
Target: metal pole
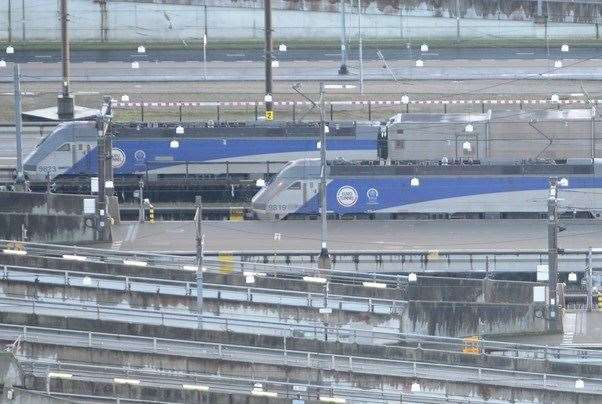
column 205, row 56
column 400, row 18
column 65, row 101
column 268, row 58
column 141, row 197
column 198, row 219
column 539, row 8
column 101, row 205
column 590, row 283
column 324, row 257
column 458, row 20
column 18, row 124
column 9, row 16
column 23, row 19
column 343, row 69
column 553, row 248
column 361, row 47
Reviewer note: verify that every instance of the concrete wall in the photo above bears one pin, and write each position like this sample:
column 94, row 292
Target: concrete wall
column 148, row 22
column 299, row 374
column 52, row 218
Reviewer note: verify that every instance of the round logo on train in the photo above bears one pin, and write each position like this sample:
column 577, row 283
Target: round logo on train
column 372, row 195
column 347, row 196
column 118, row 158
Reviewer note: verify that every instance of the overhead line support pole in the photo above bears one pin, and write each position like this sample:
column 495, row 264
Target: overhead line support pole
column 324, row 256
column 269, row 106
column 553, row 251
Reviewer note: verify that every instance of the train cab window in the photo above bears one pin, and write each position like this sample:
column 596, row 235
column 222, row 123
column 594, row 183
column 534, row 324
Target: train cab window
column 295, row 185
column 64, row 147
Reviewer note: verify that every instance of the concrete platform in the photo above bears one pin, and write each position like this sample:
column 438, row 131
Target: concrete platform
column 359, row 235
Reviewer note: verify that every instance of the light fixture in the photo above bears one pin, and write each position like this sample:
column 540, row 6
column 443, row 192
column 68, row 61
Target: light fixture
column 119, row 380
column 326, row 129
column 318, row 145
column 405, row 99
column 314, row 279
column 579, row 384
column 469, row 128
column 195, row 387
column 193, row 268
column 424, row 48
column 141, row 49
column 338, row 86
column 414, row 182
column 419, row 63
column 268, row 98
column 73, row 257
column 135, row 263
column 275, row 63
column 179, row 130
column 2, row 63
column 59, row 375
column 253, row 273
column 415, row 388
column 10, row 50
column 204, row 39
column 14, row 252
column 555, row 98
column 564, row 48
column 572, row 277
column 174, row 144
column 263, row 393
column 412, row 277
column 260, row 183
column 334, row 400
column 135, row 65
column 87, row 281
column 563, row 182
column 282, row 47
column 466, row 146
column 375, row 285
column 125, row 98
column 558, row 64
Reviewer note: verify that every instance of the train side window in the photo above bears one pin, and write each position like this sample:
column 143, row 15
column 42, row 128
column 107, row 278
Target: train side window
column 400, row 144
column 80, row 147
column 65, row 147
column 295, row 185
column 88, row 147
column 400, row 131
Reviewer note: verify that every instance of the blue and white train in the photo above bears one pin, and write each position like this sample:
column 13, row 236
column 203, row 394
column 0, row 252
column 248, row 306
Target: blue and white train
column 439, row 190
column 245, row 149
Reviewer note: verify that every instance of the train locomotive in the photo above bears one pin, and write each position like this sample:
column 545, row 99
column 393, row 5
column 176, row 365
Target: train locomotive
column 433, row 189
column 246, row 150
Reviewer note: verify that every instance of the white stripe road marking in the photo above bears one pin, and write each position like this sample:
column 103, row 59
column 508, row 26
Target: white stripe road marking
column 525, row 53
column 361, row 102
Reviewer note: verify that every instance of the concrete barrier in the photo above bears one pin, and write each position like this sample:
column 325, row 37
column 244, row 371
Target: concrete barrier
column 42, row 217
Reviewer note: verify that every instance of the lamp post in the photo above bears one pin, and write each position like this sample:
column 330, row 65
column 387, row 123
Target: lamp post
column 553, row 248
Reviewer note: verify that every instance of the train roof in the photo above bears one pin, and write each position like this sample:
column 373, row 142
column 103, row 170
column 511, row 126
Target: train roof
column 238, row 129
column 453, row 118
